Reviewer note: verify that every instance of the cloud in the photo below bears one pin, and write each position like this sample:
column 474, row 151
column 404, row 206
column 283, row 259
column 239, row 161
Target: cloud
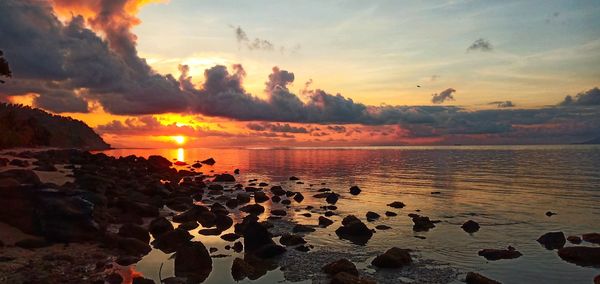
column 443, row 96
column 588, row 98
column 276, row 127
column 337, row 128
column 503, row 104
column 252, row 44
column 480, row 45
column 4, row 67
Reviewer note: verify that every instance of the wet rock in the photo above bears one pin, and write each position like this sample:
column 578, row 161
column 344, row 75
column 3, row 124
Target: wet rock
column 132, row 246
column 232, row 203
column 476, row 278
column 243, row 198
column 22, row 176
column 332, row 198
column 255, row 235
column 307, row 215
column 396, row 204
column 591, row 238
column 496, row 254
column 286, row 202
column 278, row 212
column 341, row 265
column 209, row 161
column 278, row 190
column 230, row 237
column 347, row 278
column 269, row 250
column 422, row 223
column 354, row 230
column 372, row 216
column 584, row 256
column 207, row 219
column 125, row 260
column 470, row 226
column 215, row 187
column 393, row 258
column 160, row 226
column 236, row 171
column 390, row 214
column 114, row 278
column 169, row 241
column 276, row 199
column 142, row 280
column 550, row 213
column 294, row 178
column 303, row 248
column 240, row 269
column 193, row 261
column 210, row 232
column 188, row 226
column 299, row 228
column 324, row 221
column 291, row 240
column 223, row 222
column 19, row 163
column 574, row 239
column 260, row 197
column 382, row 227
column 196, row 165
column 224, row 178
column 237, row 247
column 298, row 197
column 255, row 209
column 32, row 243
column 552, row 240
column 134, row 231
column 355, row 190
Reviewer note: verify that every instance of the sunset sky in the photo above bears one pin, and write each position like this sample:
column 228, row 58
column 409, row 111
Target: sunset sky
column 309, row 73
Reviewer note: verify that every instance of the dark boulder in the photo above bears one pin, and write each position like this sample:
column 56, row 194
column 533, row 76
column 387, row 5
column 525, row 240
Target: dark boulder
column 299, row 228
column 169, row 241
column 324, row 221
column 240, row 269
column 355, row 190
column 193, row 261
column 382, row 227
column 255, row 209
column 393, row 258
column 134, row 231
column 209, row 161
column 278, row 190
column 584, row 256
column 476, row 278
column 224, row 178
column 132, row 246
column 260, row 197
column 278, row 212
column 255, row 235
column 230, row 237
column 294, row 178
column 188, row 226
column 574, row 239
column 347, row 278
column 552, row 240
column 291, row 240
column 470, row 226
column 332, row 198
column 354, row 230
column 210, row 232
column 160, row 226
column 142, row 280
column 372, row 216
column 591, row 238
column 496, row 254
column 390, row 214
column 341, row 265
column 269, row 250
column 298, row 197
column 422, row 223
column 396, row 204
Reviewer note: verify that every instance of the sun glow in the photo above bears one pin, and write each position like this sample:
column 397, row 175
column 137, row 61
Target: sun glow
column 179, row 139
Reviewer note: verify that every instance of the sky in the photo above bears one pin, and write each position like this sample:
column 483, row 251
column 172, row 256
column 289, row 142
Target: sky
column 309, row 73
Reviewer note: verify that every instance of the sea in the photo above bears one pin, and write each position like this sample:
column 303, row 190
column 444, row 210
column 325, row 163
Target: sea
column 506, row 189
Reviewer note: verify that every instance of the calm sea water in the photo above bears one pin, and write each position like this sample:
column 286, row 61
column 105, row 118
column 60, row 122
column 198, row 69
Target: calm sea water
column 507, row 189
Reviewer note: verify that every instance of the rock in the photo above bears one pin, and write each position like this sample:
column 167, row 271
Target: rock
column 160, row 226
column 470, row 226
column 552, row 240
column 476, row 278
column 32, row 243
column 390, row 214
column 355, row 190
column 209, row 161
column 207, row 219
column 298, row 197
column 396, row 204
column 591, row 238
column 125, row 260
column 354, row 230
column 134, row 231
column 243, row 198
column 332, row 198
column 188, row 226
column 114, row 278
column 382, row 227
column 236, row 171
column 158, row 163
column 278, row 212
column 196, row 165
column 324, row 221
column 372, row 216
column 260, row 197
column 133, row 246
column 307, row 215
column 45, row 168
column 496, row 254
column 597, row 279
column 299, row 228
column 393, row 258
column 215, row 187
column 584, row 256
column 291, row 240
column 255, row 235
column 550, row 213
column 574, row 239
column 237, row 246
column 210, row 232
column 269, row 250
column 294, row 178
column 341, row 265
column 230, row 237
column 255, row 209
column 193, row 261
column 224, row 178
column 232, row 203
column 422, row 223
column 142, row 280
column 240, row 269
column 276, row 199
column 22, row 176
column 19, row 163
column 223, row 222
column 169, row 241
column 347, row 278
column 278, row 190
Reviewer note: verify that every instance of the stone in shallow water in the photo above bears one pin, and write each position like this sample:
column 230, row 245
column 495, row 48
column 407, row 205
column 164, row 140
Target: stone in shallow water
column 584, row 256
column 341, row 265
column 476, row 278
column 470, row 226
column 393, row 258
column 496, row 254
column 552, row 240
column 193, row 261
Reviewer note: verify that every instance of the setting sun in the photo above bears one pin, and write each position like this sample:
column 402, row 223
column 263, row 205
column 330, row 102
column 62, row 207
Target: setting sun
column 179, row 139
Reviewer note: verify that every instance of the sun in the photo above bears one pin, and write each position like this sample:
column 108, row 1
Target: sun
column 178, row 139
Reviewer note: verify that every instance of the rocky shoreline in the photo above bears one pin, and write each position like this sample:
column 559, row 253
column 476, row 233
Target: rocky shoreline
column 107, row 213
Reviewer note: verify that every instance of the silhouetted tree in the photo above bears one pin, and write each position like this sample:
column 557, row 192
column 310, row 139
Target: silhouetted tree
column 4, row 68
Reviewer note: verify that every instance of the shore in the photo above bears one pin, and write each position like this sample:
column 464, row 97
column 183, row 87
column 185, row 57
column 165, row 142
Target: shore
column 71, row 216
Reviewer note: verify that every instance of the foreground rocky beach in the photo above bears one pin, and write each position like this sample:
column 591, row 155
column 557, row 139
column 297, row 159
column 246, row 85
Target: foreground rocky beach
column 71, row 216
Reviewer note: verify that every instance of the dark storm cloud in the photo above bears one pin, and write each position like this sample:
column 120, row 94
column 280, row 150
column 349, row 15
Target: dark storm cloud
column 480, row 45
column 276, row 127
column 587, row 98
column 337, row 128
column 443, row 96
column 503, row 104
